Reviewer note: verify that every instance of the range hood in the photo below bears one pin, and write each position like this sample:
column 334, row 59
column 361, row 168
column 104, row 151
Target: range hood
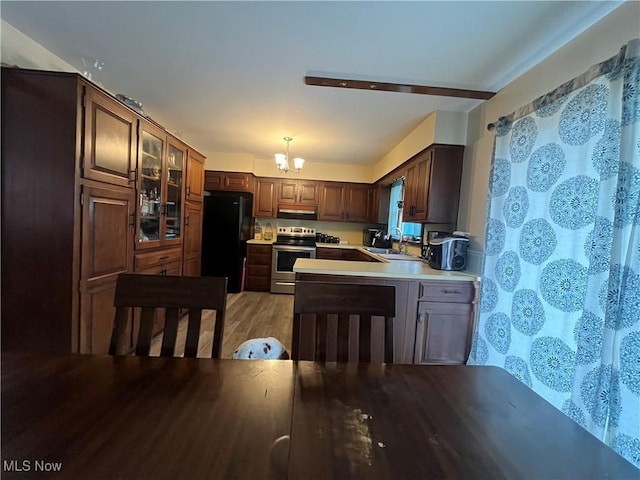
column 298, row 212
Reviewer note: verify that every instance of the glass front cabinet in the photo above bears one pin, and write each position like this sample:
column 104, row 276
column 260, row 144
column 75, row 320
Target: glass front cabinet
column 160, row 180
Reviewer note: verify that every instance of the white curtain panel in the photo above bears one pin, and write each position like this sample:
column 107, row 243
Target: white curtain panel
column 560, row 303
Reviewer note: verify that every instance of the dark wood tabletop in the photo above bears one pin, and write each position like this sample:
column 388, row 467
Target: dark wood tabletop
column 136, row 417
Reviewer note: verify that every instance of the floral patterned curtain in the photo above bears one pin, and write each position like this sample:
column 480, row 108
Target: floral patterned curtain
column 560, row 303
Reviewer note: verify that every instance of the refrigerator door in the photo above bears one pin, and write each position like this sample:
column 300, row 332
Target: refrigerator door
column 225, row 229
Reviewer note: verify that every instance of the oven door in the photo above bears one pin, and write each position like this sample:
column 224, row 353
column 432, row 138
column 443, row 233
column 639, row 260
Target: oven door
column 284, row 256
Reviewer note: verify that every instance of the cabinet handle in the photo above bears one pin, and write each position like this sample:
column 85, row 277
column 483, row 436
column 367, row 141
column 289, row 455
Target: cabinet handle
column 188, row 190
column 133, row 173
column 163, row 209
column 420, row 319
column 163, row 258
column 186, row 221
column 450, row 291
column 132, row 219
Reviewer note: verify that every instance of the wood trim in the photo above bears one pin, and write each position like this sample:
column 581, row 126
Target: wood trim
column 397, row 87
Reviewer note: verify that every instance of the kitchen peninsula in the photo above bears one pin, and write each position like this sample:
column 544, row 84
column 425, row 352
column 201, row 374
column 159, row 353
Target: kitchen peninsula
column 435, row 310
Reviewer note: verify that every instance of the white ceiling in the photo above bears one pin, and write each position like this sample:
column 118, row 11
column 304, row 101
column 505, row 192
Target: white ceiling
column 229, row 75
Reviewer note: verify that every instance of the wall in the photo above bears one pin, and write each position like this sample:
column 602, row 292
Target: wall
column 594, row 45
column 18, row 49
column 349, row 232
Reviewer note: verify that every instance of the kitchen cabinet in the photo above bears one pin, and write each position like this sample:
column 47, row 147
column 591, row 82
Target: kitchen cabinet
column 264, row 204
column 160, row 182
column 161, row 262
column 298, row 192
column 344, row 202
column 233, row 181
column 432, row 185
column 258, row 267
column 72, row 170
column 194, row 193
column 192, row 253
column 445, row 322
column 434, row 319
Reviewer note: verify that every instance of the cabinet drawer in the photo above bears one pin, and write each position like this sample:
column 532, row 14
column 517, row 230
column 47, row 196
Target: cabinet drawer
column 259, row 271
column 261, row 259
column 327, row 253
column 447, row 292
column 162, row 257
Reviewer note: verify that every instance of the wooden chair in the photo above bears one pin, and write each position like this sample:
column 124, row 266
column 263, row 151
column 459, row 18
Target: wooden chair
column 343, row 300
column 149, row 292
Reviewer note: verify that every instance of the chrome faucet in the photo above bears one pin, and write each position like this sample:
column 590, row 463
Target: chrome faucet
column 399, row 238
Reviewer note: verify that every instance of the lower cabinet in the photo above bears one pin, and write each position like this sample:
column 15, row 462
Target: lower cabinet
column 350, row 254
column 258, row 272
column 161, row 262
column 434, row 320
column 445, row 322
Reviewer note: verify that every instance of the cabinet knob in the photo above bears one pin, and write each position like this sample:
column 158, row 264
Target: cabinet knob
column 132, row 219
column 188, row 190
column 420, row 319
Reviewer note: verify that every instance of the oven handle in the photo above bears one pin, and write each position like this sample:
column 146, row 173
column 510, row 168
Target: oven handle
column 293, row 248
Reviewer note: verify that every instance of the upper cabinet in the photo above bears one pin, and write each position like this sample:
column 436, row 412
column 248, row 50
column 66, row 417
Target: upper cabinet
column 298, row 192
column 234, row 181
column 194, row 190
column 344, row 202
column 160, row 181
column 263, row 198
column 432, row 185
column 109, row 140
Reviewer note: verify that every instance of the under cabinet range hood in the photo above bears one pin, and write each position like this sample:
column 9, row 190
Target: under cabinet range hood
column 298, row 212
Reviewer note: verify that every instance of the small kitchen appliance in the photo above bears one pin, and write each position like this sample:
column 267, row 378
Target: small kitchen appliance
column 447, row 253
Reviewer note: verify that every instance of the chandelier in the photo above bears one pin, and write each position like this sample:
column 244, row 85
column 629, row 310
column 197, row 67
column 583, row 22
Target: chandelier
column 282, row 160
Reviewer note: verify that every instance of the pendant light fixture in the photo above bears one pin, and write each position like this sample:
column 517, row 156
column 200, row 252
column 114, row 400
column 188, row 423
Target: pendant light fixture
column 282, row 160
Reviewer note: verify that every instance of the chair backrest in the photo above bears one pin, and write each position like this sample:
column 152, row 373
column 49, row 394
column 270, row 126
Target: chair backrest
column 172, row 293
column 343, row 300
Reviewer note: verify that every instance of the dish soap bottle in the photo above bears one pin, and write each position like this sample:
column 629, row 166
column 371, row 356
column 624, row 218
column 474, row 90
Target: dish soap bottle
column 268, row 232
column 257, row 232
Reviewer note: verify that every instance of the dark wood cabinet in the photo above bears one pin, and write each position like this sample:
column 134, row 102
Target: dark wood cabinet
column 445, row 322
column 194, row 190
column 70, row 205
column 349, row 254
column 432, row 185
column 192, row 253
column 298, row 192
column 109, row 139
column 346, row 202
column 233, row 181
column 258, row 267
column 264, row 204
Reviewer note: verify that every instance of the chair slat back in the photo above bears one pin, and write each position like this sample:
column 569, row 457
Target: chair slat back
column 171, row 294
column 343, row 301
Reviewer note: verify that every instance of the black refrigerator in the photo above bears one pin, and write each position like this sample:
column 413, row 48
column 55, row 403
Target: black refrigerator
column 226, row 227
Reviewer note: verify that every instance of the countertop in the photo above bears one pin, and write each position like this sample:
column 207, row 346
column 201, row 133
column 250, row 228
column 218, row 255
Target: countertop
column 410, row 270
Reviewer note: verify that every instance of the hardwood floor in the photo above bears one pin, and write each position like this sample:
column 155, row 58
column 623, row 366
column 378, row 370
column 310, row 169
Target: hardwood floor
column 249, row 315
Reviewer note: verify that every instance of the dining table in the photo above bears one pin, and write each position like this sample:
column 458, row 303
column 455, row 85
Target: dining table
column 75, row 416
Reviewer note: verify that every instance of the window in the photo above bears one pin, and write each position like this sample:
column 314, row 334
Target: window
column 395, row 214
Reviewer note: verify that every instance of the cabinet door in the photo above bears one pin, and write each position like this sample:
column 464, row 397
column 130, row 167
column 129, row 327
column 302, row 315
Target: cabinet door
column 110, row 140
column 263, row 199
column 150, row 187
column 213, row 180
column 107, row 250
column 356, row 203
column 307, row 192
column 328, row 253
column 287, row 191
column 422, row 186
column 195, row 177
column 331, row 202
column 237, row 181
column 192, row 239
column 172, row 204
column 443, row 333
column 410, row 186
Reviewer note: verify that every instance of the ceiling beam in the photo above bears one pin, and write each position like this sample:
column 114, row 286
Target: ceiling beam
column 397, row 87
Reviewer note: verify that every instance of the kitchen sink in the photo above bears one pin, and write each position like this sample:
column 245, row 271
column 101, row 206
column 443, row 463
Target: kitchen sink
column 382, row 251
